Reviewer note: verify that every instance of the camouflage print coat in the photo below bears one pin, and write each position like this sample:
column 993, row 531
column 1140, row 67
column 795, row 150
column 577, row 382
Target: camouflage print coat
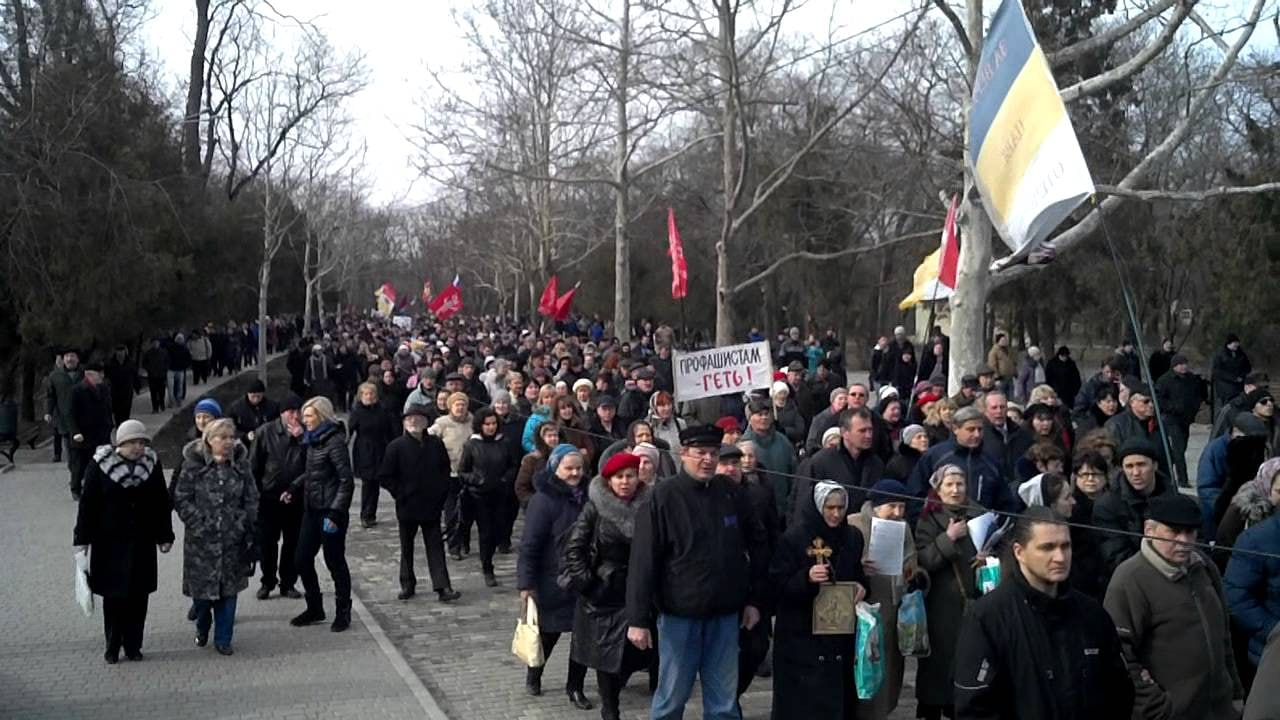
column 218, row 505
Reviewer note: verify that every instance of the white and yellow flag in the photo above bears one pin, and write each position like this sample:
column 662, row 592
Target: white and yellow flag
column 1026, row 159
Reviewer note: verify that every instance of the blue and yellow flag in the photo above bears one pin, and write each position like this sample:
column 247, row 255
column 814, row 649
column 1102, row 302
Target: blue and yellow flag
column 1026, row 159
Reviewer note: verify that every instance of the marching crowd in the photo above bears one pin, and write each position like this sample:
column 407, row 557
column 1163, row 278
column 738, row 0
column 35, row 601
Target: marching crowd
column 700, row 541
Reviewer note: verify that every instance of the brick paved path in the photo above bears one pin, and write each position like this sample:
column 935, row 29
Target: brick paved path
column 462, row 650
column 51, row 662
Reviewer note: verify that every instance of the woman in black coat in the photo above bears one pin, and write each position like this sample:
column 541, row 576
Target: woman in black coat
column 372, row 428
column 813, row 674
column 325, row 488
column 597, row 555
column 124, row 515
column 486, row 470
column 561, row 493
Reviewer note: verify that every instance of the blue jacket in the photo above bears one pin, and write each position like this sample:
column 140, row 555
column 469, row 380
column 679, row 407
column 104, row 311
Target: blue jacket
column 985, row 484
column 1212, row 470
column 539, row 415
column 551, row 513
column 1252, row 584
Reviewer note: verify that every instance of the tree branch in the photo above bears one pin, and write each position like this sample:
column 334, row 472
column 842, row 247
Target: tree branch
column 806, row 255
column 1108, row 37
column 1190, row 195
column 1135, row 64
column 959, row 26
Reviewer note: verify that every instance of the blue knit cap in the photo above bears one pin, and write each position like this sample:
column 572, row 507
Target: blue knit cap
column 208, row 406
column 558, row 453
column 886, row 491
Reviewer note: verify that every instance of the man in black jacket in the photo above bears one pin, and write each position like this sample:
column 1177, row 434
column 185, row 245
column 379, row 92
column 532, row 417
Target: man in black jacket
column 851, row 463
column 278, row 458
column 1002, row 441
column 698, row 562
column 1036, row 649
column 122, row 378
column 252, row 411
column 415, row 471
column 90, row 422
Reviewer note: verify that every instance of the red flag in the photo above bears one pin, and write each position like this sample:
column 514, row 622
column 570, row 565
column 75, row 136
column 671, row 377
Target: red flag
column 426, row 292
column 547, row 304
column 563, row 305
column 448, row 303
column 950, row 260
column 675, row 248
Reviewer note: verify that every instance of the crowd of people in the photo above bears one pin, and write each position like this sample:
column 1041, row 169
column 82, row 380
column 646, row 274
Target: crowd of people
column 692, row 540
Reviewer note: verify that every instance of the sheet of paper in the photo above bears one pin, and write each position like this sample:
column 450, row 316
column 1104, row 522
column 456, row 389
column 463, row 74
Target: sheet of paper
column 886, row 545
column 980, row 527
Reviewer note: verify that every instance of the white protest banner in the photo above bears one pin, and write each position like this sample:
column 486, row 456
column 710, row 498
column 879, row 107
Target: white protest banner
column 722, row 370
column 403, row 322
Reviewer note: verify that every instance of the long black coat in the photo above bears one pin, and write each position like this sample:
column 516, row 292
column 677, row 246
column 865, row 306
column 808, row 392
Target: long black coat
column 813, row 674
column 551, row 513
column 91, row 414
column 124, row 514
column 594, row 567
column 416, row 473
column 952, row 589
column 373, row 430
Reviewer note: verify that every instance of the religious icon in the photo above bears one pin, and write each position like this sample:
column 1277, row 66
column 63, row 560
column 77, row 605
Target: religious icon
column 834, row 609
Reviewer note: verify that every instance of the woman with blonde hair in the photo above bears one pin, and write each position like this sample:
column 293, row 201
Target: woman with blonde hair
column 325, row 488
column 938, row 422
column 217, row 500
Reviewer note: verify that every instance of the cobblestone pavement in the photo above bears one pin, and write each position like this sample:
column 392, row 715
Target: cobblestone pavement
column 51, row 662
column 462, row 650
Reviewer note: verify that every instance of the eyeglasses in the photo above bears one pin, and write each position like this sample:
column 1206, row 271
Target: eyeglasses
column 857, row 394
column 1091, row 474
column 1266, row 401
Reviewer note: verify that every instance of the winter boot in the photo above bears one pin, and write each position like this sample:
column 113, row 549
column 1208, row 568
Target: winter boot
column 341, row 615
column 313, row 614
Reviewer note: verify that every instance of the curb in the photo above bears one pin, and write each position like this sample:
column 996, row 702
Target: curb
column 426, row 700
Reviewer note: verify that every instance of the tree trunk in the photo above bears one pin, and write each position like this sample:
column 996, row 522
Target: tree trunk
column 973, row 278
column 264, row 280
column 192, row 162
column 729, row 158
column 310, row 284
column 622, row 187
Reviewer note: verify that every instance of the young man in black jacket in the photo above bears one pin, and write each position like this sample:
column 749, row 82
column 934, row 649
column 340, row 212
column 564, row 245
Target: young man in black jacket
column 415, row 471
column 698, row 571
column 278, row 458
column 90, row 423
column 1036, row 649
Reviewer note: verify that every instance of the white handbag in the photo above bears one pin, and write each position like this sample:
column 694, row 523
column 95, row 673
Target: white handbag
column 527, row 643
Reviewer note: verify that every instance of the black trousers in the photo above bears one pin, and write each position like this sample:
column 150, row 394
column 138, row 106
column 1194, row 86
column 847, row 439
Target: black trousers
column 157, row 387
column 453, row 517
column 368, row 498
column 429, row 525
column 611, row 684
column 199, row 371
column 122, row 405
column 577, row 671
column 57, row 445
column 311, row 540
column 79, row 455
column 276, row 522
column 488, row 513
column 123, row 620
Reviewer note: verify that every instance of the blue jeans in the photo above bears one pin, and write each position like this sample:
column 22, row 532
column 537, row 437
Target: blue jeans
column 1208, row 498
column 220, row 613
column 178, row 381
column 688, row 648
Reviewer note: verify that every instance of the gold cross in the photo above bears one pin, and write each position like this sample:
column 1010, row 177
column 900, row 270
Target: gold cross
column 819, row 552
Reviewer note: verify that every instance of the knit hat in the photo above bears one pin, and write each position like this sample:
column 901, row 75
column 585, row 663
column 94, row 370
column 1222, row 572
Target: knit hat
column 1255, row 397
column 559, row 453
column 910, row 432
column 837, row 393
column 1137, row 447
column 131, row 430
column 1177, row 359
column 257, row 386
column 291, row 402
column 581, row 382
column 829, row 433
column 208, row 406
column 887, row 491
column 887, row 392
column 779, row 388
column 619, row 462
column 647, row 450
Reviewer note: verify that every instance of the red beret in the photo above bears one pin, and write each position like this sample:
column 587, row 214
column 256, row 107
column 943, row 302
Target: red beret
column 619, row 462
column 729, row 423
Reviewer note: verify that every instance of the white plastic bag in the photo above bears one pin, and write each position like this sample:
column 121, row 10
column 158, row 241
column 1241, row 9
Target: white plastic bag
column 84, row 596
column 527, row 643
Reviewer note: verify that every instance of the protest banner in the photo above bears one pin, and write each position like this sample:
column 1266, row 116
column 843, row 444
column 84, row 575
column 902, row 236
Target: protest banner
column 722, row 370
column 404, row 322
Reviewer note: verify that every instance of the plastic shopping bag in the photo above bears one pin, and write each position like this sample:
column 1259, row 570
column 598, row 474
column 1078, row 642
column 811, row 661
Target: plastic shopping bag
column 527, row 643
column 913, row 628
column 868, row 667
column 84, row 596
column 987, row 576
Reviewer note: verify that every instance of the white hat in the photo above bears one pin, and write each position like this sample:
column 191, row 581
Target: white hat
column 779, row 388
column 888, row 391
column 131, row 430
column 830, row 433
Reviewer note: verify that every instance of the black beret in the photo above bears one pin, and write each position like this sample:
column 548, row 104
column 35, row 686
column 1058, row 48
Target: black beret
column 1175, row 510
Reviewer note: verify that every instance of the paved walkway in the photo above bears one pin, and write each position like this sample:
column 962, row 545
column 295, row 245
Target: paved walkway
column 51, row 662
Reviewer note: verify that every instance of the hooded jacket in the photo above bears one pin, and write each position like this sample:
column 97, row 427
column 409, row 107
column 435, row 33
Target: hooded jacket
column 218, row 506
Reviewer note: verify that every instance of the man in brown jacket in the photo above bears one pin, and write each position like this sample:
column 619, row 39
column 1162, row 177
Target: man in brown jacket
column 1168, row 607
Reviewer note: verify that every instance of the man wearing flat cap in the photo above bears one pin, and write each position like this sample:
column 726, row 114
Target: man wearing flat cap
column 698, row 573
column 1168, row 606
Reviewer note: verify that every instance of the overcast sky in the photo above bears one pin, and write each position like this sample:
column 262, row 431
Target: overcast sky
column 399, row 38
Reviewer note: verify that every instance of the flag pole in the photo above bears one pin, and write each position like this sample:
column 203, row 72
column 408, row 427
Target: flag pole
column 684, row 328
column 1126, row 293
